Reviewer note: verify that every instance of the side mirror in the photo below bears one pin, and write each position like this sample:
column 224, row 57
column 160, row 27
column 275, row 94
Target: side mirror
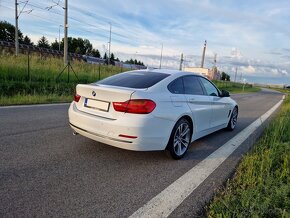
column 225, row 93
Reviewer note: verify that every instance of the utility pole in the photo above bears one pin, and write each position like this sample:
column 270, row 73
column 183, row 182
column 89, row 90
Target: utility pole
column 181, row 61
column 16, row 29
column 161, row 56
column 236, row 74
column 59, row 36
column 214, row 61
column 203, row 54
column 109, row 57
column 65, row 45
column 16, row 23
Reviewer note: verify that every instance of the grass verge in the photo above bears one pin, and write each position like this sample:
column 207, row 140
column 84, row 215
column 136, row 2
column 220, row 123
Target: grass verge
column 20, row 99
column 37, row 79
column 260, row 187
column 233, row 87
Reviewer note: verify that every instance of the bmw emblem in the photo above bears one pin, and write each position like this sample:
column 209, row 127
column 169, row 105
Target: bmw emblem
column 94, row 93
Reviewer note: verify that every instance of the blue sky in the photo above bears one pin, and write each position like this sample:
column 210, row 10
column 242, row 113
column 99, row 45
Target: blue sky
column 253, row 35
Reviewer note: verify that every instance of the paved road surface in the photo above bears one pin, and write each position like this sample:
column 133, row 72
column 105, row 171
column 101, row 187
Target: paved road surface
column 45, row 171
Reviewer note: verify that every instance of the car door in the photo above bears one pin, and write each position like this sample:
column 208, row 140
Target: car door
column 220, row 107
column 199, row 103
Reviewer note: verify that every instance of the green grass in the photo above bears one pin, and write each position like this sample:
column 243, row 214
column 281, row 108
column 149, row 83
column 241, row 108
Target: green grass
column 40, row 81
column 233, row 87
column 47, row 69
column 28, row 80
column 261, row 185
column 20, row 99
column 286, row 91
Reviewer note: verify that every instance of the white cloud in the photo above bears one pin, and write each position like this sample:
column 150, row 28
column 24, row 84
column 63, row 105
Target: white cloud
column 284, row 72
column 248, row 69
column 279, row 72
column 236, row 53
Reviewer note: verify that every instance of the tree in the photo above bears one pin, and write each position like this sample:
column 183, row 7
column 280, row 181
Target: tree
column 228, row 78
column 112, row 59
column 43, row 42
column 105, row 56
column 225, row 76
column 79, row 45
column 88, row 47
column 78, row 50
column 96, row 53
column 27, row 41
column 7, row 32
column 55, row 45
column 131, row 61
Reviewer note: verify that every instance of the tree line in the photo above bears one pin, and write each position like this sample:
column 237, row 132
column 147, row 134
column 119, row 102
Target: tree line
column 225, row 76
column 75, row 45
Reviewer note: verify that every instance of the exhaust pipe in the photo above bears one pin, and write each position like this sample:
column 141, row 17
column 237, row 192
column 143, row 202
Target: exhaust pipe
column 75, row 133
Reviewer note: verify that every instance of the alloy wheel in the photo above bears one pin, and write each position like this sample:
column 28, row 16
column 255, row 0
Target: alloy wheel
column 181, row 139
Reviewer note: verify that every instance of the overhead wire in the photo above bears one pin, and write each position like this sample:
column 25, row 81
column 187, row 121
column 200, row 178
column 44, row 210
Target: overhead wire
column 121, row 37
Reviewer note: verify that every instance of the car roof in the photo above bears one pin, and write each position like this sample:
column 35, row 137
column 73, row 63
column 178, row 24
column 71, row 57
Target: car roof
column 171, row 72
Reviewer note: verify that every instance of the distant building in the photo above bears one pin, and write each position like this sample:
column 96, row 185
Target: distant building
column 212, row 74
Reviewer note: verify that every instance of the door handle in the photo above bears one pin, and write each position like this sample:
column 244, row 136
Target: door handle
column 191, row 100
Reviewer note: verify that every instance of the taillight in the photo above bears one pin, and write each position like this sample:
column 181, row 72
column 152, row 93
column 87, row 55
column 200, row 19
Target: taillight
column 128, row 136
column 135, row 106
column 77, row 97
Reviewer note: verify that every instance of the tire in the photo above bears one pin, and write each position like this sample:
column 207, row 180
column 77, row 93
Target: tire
column 233, row 120
column 180, row 139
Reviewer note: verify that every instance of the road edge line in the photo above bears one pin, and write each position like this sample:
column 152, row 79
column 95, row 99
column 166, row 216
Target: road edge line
column 163, row 204
column 33, row 105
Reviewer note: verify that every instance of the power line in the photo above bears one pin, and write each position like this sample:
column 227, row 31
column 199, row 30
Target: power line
column 34, row 15
column 17, row 15
column 74, row 19
column 121, row 37
column 80, row 21
column 81, row 29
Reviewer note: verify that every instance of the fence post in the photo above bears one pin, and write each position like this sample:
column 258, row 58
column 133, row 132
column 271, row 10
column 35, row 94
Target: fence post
column 28, row 65
column 99, row 71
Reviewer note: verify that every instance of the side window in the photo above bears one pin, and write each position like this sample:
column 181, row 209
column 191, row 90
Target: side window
column 209, row 87
column 192, row 86
column 176, row 86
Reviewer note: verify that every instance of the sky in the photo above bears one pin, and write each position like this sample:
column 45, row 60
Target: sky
column 252, row 36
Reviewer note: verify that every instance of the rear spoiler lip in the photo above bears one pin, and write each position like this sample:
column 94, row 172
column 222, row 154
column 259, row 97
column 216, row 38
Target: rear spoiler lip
column 129, row 91
column 118, row 87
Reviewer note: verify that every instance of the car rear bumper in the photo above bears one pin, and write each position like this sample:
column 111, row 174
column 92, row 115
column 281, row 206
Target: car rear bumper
column 152, row 133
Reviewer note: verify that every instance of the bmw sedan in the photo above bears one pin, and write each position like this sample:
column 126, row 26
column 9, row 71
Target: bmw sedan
column 146, row 110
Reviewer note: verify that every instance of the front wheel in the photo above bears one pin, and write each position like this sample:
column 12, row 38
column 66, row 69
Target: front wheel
column 180, row 139
column 233, row 120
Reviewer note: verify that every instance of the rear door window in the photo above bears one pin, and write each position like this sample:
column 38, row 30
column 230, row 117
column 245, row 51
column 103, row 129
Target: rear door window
column 176, row 86
column 192, row 86
column 209, row 87
column 134, row 79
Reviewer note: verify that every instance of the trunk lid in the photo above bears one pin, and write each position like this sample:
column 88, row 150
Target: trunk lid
column 98, row 100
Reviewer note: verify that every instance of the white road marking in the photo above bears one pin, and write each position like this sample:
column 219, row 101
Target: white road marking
column 33, row 105
column 163, row 204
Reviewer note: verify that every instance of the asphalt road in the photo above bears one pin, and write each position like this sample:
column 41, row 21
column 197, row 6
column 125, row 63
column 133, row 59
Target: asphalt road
column 45, row 171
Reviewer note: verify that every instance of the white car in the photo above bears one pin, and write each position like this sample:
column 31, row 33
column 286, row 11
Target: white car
column 151, row 110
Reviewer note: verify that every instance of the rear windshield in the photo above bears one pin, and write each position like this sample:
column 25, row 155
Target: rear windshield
column 134, row 79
